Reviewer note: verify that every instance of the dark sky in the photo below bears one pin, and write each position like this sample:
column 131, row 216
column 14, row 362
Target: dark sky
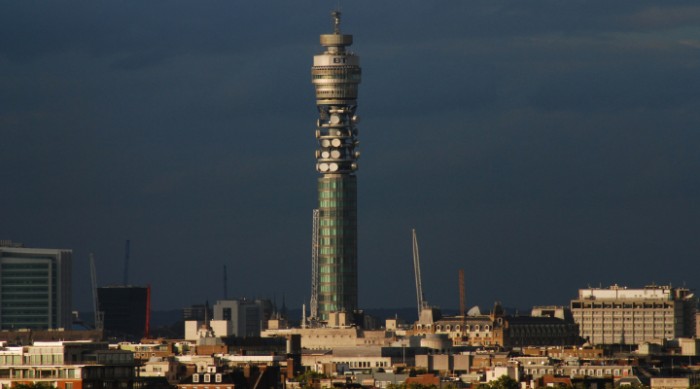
column 542, row 146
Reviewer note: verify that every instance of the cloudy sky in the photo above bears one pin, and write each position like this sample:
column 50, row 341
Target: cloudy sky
column 542, row 146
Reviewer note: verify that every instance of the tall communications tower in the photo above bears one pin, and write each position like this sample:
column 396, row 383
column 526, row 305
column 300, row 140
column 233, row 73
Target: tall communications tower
column 336, row 74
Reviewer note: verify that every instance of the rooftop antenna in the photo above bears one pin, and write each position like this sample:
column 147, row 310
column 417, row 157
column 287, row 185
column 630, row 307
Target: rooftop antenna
column 336, row 21
column 127, row 251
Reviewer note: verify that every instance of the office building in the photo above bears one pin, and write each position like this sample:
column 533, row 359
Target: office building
column 35, row 287
column 618, row 315
column 336, row 75
column 240, row 317
column 126, row 311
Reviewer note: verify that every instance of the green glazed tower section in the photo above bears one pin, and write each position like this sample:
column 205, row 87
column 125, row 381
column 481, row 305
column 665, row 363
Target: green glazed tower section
column 336, row 74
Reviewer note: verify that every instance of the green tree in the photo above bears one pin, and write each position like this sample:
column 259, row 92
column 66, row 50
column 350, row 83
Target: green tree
column 504, row 382
column 307, row 378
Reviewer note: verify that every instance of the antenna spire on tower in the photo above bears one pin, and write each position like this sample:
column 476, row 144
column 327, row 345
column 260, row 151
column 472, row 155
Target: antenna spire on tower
column 336, row 20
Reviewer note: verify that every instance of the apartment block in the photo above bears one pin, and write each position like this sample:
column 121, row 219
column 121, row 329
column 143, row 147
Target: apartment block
column 35, row 287
column 618, row 315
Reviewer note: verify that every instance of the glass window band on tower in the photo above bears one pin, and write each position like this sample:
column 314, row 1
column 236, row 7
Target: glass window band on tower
column 337, row 243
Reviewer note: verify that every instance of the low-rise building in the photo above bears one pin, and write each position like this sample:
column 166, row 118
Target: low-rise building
column 67, row 365
column 499, row 329
column 670, row 383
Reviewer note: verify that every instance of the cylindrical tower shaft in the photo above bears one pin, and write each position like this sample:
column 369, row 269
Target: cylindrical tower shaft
column 336, row 74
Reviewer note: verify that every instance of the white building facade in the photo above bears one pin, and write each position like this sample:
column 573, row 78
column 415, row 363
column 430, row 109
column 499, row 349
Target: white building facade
column 618, row 315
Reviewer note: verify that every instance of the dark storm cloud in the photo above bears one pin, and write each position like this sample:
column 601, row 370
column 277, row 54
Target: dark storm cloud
column 531, row 143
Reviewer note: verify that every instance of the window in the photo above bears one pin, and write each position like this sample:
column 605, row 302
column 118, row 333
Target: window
column 195, row 377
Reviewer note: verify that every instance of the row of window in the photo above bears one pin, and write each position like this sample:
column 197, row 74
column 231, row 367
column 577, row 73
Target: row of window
column 335, row 69
column 348, row 202
column 323, row 241
column 362, row 364
column 23, row 311
column 34, row 296
column 637, row 318
column 25, row 304
column 24, row 273
column 337, row 92
column 329, row 279
column 458, row 327
column 628, row 325
column 32, row 373
column 206, row 377
column 337, row 213
column 22, row 266
column 336, row 222
column 336, row 184
column 575, row 372
column 338, row 76
column 576, row 305
column 25, row 281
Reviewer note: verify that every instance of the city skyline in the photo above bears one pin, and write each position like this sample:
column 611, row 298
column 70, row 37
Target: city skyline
column 541, row 147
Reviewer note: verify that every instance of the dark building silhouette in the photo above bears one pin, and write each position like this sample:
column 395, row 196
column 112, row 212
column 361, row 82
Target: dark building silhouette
column 197, row 312
column 125, row 311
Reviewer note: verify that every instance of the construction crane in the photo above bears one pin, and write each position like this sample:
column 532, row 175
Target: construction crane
column 314, row 266
column 416, row 269
column 99, row 315
column 462, row 303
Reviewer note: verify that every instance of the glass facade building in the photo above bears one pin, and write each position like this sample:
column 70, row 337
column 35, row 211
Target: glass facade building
column 125, row 311
column 35, row 288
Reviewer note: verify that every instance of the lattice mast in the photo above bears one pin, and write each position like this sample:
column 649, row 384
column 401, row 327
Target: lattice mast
column 314, row 266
